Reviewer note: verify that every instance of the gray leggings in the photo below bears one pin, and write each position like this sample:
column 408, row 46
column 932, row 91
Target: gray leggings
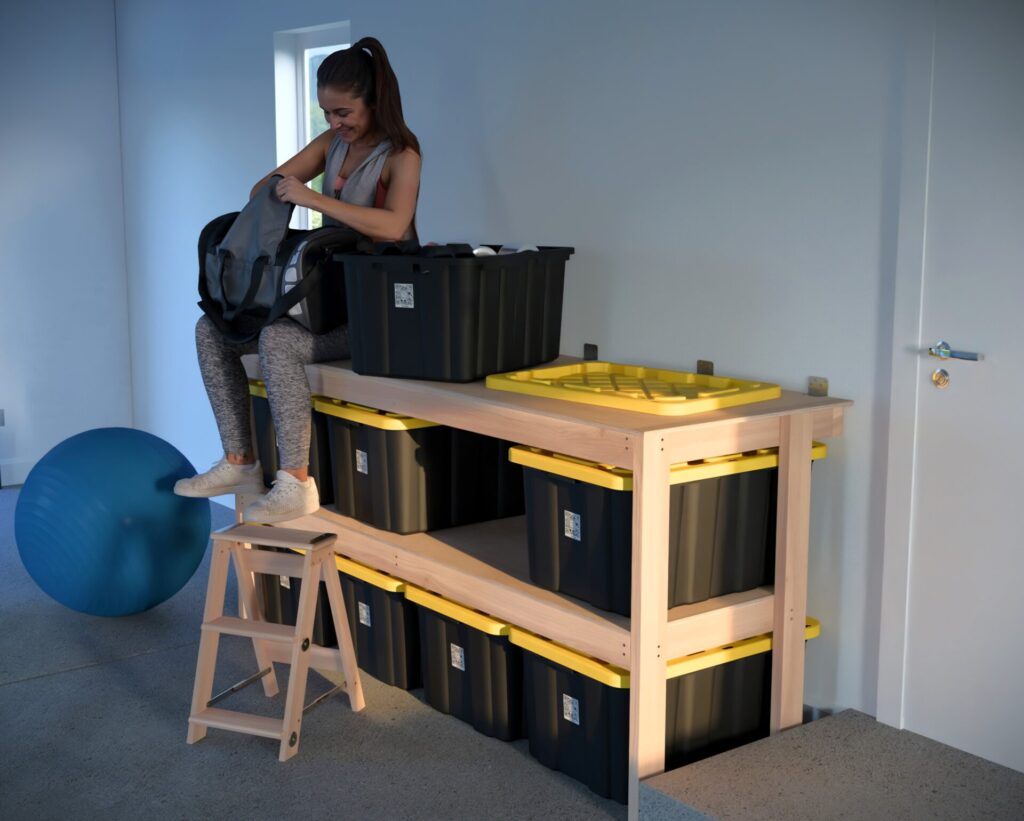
column 284, row 348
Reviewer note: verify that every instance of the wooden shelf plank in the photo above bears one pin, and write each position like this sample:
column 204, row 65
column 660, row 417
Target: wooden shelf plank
column 587, row 431
column 485, row 567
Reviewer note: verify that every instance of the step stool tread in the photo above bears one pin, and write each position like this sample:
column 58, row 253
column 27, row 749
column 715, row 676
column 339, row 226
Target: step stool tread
column 274, row 536
column 239, row 722
column 252, row 629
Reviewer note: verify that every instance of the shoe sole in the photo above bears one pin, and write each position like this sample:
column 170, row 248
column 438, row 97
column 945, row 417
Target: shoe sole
column 221, row 491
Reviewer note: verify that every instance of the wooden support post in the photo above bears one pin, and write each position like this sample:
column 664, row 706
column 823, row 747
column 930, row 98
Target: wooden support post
column 649, row 614
column 791, row 547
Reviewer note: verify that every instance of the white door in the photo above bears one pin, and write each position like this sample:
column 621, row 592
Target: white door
column 964, row 654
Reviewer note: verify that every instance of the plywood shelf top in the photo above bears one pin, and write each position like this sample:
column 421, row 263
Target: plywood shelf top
column 603, row 434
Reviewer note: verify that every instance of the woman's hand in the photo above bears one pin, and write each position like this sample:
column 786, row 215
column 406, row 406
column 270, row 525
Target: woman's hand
column 292, row 189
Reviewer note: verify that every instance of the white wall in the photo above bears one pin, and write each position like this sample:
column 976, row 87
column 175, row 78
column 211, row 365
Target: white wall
column 728, row 173
column 64, row 353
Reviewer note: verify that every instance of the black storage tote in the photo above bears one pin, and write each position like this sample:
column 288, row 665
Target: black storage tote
column 577, row 708
column 383, row 623
column 721, row 534
column 408, row 475
column 454, row 318
column 470, row 669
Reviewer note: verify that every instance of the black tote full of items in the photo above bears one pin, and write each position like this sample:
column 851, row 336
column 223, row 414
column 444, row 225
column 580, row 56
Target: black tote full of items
column 449, row 313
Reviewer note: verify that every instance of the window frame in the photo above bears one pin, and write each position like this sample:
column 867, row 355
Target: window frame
column 291, row 108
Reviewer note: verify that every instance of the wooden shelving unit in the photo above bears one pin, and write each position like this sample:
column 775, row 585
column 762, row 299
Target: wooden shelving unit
column 485, row 566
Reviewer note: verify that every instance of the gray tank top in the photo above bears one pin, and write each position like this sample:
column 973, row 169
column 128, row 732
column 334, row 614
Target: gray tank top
column 361, row 185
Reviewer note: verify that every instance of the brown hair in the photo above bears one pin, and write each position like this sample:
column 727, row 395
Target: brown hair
column 365, row 71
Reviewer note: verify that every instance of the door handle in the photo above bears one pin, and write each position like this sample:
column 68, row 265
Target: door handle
column 942, row 350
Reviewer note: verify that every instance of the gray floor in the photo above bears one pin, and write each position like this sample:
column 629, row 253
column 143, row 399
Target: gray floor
column 94, row 712
column 844, row 766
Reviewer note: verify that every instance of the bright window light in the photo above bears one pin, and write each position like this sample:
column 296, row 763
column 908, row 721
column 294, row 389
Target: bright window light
column 297, row 56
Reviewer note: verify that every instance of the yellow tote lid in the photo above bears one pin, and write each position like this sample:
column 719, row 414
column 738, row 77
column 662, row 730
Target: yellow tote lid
column 635, row 388
column 615, row 478
column 458, row 612
column 602, row 672
column 363, row 573
column 369, row 575
column 383, row 420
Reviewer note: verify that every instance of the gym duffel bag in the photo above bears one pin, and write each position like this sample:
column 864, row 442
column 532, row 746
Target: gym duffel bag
column 254, row 269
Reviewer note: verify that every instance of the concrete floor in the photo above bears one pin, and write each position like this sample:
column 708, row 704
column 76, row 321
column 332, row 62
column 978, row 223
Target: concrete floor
column 94, row 714
column 844, row 766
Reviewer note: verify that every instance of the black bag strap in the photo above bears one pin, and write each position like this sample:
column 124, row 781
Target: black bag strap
column 255, row 280
column 282, row 306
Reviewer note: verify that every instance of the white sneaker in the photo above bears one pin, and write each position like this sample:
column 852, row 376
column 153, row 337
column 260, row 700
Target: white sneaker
column 288, row 499
column 221, row 479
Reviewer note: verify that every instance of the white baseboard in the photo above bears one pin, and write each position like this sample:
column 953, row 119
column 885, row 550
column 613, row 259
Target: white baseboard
column 14, row 471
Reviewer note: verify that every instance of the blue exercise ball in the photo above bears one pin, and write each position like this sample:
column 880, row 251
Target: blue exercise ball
column 99, row 528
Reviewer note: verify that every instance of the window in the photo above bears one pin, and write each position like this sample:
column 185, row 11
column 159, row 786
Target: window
column 297, row 56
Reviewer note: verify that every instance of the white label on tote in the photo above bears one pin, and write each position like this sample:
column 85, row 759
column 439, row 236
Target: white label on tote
column 404, row 297
column 458, row 658
column 570, row 708
column 572, row 525
column 364, row 614
column 362, row 462
column 286, row 582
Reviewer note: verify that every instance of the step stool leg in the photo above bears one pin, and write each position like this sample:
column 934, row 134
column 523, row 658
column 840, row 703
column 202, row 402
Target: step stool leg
column 298, row 672
column 214, row 608
column 249, row 608
column 349, row 665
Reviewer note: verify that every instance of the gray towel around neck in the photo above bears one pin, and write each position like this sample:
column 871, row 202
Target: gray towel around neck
column 361, row 185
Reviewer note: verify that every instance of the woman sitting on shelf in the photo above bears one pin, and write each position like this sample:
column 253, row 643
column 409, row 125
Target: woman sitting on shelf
column 371, row 165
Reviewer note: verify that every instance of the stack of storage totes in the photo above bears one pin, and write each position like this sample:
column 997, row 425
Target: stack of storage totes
column 408, row 475
column 577, row 708
column 382, row 621
column 721, row 532
column 444, row 314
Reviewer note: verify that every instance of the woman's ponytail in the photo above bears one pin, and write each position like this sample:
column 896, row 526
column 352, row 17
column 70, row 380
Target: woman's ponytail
column 365, row 71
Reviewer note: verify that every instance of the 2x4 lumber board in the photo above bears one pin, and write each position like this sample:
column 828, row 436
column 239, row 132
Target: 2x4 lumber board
column 485, row 567
column 722, row 620
column 738, row 434
column 649, row 609
column 790, row 605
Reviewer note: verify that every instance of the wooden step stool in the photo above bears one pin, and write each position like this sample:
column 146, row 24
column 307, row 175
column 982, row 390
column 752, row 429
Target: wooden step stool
column 271, row 642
